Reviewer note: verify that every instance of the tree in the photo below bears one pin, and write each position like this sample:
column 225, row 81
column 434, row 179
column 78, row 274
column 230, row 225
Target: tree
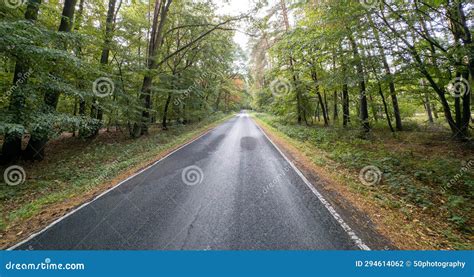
column 11, row 149
column 35, row 148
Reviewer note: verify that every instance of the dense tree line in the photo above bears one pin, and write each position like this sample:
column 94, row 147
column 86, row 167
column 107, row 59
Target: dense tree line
column 366, row 61
column 82, row 65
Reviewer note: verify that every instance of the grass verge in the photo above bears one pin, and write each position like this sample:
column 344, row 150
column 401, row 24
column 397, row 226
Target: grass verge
column 76, row 171
column 424, row 197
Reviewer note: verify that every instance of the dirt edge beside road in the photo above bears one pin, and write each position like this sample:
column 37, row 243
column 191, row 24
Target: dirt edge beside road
column 26, row 228
column 358, row 211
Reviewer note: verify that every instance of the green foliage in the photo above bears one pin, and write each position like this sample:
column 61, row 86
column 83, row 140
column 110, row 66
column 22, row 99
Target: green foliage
column 414, row 178
column 398, row 47
column 83, row 165
column 89, row 127
column 68, row 65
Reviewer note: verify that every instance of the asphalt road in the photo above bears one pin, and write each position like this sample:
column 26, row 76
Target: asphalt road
column 230, row 189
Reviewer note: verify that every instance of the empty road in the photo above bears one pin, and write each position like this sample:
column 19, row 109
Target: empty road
column 230, row 189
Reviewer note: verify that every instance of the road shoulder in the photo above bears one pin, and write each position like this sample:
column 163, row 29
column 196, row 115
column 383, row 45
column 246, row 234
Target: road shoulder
column 353, row 208
column 49, row 213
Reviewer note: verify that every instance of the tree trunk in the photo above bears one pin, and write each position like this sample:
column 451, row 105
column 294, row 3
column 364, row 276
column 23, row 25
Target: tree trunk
column 327, row 106
column 156, row 38
column 428, row 108
column 165, row 112
column 109, row 27
column 462, row 37
column 96, row 109
column 389, row 121
column 145, row 97
column 345, row 96
column 373, row 108
column 168, row 101
column 292, row 69
column 218, row 100
column 78, row 50
column 391, row 83
column 11, row 148
column 335, row 110
column 323, row 109
column 363, row 112
column 35, row 148
column 317, row 110
column 67, row 20
column 346, row 118
column 314, row 76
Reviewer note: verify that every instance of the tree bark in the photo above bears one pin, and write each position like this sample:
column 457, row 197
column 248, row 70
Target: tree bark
column 78, row 25
column 35, row 148
column 327, row 105
column 462, row 38
column 391, row 83
column 314, row 76
column 165, row 112
column 167, row 103
column 292, row 68
column 345, row 96
column 96, row 110
column 11, row 148
column 346, row 118
column 440, row 91
column 428, row 108
column 387, row 114
column 67, row 19
column 363, row 112
column 109, row 27
column 156, row 38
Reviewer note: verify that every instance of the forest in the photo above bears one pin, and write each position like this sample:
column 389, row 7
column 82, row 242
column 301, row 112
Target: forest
column 385, row 83
column 355, row 60
column 80, row 66
column 384, row 89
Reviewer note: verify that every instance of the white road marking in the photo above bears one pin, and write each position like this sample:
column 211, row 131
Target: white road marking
column 321, row 198
column 107, row 191
column 328, row 206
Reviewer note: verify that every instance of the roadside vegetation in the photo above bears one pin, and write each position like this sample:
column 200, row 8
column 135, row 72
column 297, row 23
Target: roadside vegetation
column 76, row 170
column 92, row 90
column 380, row 90
column 82, row 65
column 424, row 177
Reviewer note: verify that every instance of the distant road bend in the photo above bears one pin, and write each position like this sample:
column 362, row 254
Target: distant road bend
column 229, row 189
